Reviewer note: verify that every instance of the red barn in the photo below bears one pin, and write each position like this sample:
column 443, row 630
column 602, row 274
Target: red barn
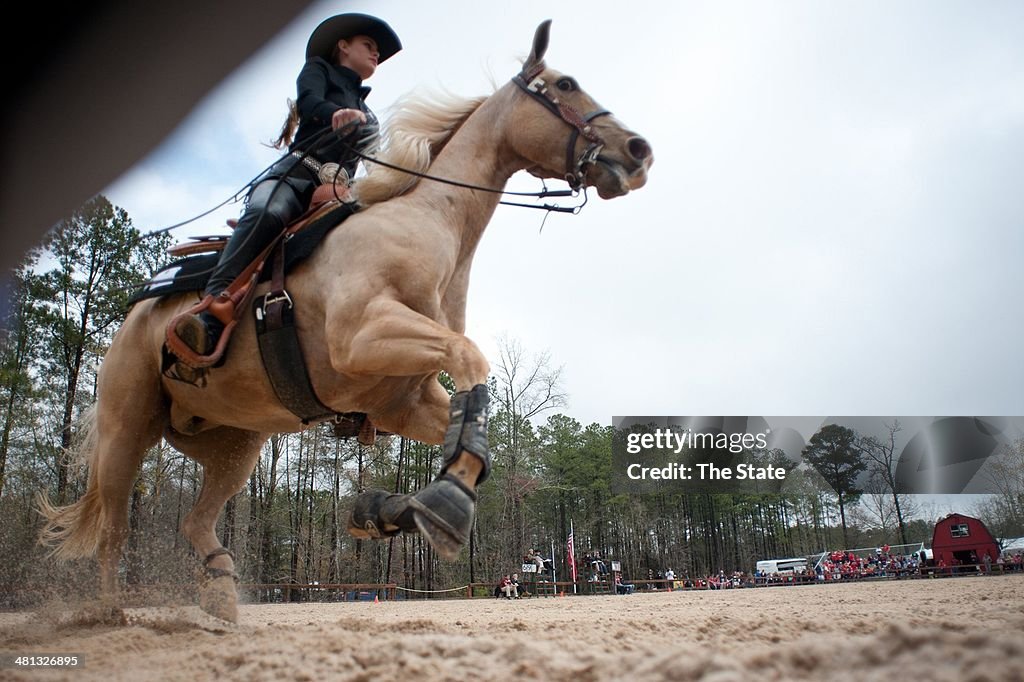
column 963, row 538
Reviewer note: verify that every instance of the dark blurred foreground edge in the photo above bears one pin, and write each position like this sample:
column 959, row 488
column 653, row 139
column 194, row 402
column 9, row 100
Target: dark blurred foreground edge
column 94, row 87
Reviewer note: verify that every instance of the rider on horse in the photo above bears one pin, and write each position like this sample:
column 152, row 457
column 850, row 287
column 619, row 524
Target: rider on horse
column 342, row 52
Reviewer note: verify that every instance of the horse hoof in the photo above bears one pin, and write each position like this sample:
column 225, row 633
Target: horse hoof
column 444, row 513
column 379, row 514
column 219, row 598
column 445, row 543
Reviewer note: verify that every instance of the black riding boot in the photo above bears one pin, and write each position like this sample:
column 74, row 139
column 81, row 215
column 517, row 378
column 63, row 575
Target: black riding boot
column 271, row 206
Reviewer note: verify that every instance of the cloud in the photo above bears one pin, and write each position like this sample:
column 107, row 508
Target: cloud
column 154, row 201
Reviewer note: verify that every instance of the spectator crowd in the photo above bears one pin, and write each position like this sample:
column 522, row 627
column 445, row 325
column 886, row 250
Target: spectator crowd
column 834, row 566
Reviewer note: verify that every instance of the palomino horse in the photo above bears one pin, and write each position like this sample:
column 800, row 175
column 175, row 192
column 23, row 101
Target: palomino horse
column 380, row 310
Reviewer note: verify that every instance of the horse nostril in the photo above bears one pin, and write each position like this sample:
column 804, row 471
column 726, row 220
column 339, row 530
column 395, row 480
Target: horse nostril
column 638, row 148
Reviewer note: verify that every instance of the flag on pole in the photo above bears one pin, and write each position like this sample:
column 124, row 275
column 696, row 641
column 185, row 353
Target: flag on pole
column 570, row 551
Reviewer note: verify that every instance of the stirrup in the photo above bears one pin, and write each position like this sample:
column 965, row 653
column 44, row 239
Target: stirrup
column 224, row 309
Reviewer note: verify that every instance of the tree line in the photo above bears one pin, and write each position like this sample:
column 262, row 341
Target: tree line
column 288, row 524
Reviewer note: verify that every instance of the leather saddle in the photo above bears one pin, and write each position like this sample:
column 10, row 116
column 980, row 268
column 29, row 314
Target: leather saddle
column 230, row 304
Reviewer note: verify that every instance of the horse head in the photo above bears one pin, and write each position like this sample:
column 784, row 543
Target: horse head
column 563, row 133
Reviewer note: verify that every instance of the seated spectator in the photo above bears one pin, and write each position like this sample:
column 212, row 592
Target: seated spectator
column 623, row 588
column 509, row 589
column 537, row 560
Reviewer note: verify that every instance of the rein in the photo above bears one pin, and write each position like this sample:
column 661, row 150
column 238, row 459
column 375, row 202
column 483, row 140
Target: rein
column 544, row 193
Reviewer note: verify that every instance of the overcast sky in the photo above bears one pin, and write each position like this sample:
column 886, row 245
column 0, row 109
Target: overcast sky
column 832, row 226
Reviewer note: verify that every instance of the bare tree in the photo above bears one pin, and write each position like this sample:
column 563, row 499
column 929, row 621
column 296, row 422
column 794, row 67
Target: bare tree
column 881, row 508
column 1005, row 472
column 881, row 459
column 525, row 387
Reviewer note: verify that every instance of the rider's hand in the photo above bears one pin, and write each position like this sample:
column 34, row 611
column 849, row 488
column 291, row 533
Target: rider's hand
column 342, row 117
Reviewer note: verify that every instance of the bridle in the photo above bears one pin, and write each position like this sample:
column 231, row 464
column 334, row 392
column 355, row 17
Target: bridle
column 533, row 85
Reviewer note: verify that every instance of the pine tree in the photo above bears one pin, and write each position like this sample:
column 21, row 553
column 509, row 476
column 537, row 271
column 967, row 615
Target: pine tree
column 834, row 454
column 98, row 259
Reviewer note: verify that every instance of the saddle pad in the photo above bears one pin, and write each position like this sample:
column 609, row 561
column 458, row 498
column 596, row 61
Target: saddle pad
column 192, row 273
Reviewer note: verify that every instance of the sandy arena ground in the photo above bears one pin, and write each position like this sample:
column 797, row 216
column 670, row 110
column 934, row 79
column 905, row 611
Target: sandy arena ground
column 953, row 629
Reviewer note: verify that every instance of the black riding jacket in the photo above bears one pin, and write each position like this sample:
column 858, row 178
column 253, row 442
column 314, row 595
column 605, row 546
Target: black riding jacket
column 323, row 88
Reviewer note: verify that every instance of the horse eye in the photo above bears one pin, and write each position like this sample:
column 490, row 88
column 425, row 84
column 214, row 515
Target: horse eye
column 566, row 84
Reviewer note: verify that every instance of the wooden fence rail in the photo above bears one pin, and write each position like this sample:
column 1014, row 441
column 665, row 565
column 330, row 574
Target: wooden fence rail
column 14, row 597
column 291, row 592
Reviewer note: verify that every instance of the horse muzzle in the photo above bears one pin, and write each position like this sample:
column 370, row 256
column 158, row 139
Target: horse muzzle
column 613, row 177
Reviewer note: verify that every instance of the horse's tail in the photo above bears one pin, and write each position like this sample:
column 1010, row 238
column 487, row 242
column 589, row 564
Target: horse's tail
column 74, row 530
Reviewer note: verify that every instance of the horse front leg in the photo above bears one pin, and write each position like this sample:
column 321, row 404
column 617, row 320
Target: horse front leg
column 400, row 342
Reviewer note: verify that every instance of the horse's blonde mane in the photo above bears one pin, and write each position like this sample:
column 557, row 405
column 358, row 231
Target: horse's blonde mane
column 417, row 128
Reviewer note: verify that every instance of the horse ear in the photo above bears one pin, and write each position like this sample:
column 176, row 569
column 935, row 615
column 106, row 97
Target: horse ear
column 540, row 45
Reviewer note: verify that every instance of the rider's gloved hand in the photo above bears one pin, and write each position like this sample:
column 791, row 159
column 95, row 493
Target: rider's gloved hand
column 343, row 117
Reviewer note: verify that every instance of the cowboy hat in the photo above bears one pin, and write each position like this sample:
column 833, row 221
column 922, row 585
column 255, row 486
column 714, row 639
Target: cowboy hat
column 330, row 31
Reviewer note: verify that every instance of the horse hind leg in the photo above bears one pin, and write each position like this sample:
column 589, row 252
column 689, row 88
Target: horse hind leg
column 228, row 457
